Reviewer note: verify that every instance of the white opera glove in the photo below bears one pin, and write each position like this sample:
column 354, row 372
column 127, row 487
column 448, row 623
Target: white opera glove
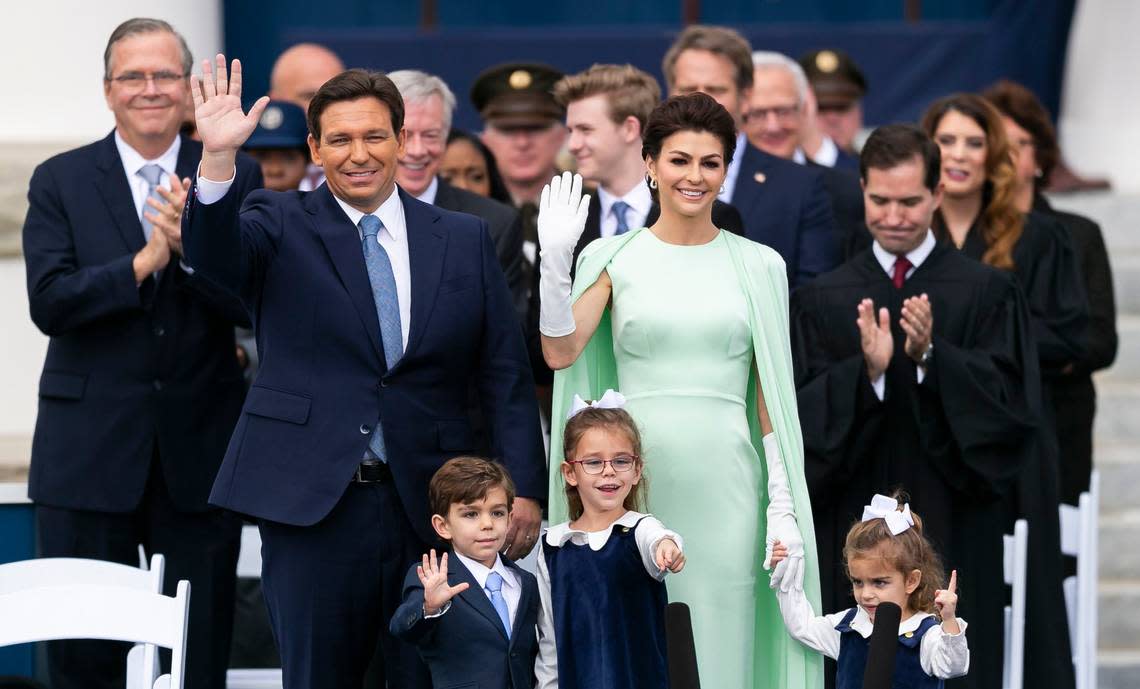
column 562, row 211
column 782, row 524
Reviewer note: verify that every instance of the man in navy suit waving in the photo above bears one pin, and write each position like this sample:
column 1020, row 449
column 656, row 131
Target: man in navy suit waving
column 374, row 313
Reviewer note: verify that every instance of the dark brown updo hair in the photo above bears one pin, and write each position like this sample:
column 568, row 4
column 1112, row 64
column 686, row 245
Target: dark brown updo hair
column 693, row 112
column 905, row 552
column 611, row 419
column 1020, row 105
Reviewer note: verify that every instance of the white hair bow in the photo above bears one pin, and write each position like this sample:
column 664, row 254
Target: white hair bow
column 611, row 399
column 887, row 509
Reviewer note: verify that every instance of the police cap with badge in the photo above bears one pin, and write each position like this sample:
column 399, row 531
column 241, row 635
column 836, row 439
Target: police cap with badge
column 835, row 78
column 518, row 96
column 282, row 126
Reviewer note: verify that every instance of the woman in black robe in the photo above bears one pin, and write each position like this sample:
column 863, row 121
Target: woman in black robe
column 979, row 217
column 1032, row 138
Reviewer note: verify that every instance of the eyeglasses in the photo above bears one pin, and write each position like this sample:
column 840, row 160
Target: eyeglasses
column 136, row 81
column 782, row 113
column 596, row 465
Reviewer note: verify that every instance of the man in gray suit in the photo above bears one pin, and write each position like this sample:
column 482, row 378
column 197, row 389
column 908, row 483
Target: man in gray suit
column 428, row 105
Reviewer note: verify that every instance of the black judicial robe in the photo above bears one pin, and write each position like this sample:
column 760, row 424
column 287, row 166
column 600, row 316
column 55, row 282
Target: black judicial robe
column 954, row 443
column 1045, row 267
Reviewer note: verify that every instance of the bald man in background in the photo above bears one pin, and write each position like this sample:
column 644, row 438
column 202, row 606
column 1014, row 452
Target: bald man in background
column 296, row 76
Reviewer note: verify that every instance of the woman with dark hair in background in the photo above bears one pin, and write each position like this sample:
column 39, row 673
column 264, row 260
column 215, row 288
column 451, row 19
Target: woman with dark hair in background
column 468, row 164
column 980, row 217
column 1034, row 143
column 690, row 322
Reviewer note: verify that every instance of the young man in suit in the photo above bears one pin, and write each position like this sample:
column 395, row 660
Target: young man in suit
column 428, row 106
column 785, row 206
column 472, row 613
column 374, row 314
column 140, row 388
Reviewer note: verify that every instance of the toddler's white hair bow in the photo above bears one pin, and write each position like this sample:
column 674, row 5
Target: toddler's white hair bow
column 887, row 509
column 610, row 399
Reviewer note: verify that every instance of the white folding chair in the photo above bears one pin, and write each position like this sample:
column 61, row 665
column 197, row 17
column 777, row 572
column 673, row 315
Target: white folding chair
column 142, row 660
column 1079, row 539
column 100, row 611
column 1015, row 563
column 249, row 566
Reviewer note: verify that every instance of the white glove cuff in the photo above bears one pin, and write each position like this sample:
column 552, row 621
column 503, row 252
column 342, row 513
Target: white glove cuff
column 555, row 310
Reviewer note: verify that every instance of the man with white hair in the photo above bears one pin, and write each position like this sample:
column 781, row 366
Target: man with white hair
column 781, row 121
column 781, row 117
column 428, row 107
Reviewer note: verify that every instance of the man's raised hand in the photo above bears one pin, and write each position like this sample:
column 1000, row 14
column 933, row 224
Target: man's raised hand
column 221, row 123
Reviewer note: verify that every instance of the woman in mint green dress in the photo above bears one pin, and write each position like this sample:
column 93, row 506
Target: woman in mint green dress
column 690, row 323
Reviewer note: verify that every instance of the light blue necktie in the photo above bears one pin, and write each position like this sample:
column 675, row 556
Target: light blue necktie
column 387, row 308
column 494, row 588
column 620, row 208
column 152, row 174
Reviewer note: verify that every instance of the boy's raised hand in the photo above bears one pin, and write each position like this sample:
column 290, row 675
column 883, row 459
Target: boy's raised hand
column 669, row 556
column 433, row 576
column 946, row 601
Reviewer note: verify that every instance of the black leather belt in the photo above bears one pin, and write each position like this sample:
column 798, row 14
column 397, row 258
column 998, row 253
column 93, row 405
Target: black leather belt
column 372, row 471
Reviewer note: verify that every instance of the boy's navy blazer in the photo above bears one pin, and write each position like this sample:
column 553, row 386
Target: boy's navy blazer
column 296, row 260
column 785, row 206
column 467, row 646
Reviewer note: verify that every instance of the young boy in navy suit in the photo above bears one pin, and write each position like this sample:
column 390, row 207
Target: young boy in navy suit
column 472, row 613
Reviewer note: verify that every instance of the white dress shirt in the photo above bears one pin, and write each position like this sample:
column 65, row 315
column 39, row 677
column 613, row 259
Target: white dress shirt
column 827, row 155
column 512, row 587
column 133, row 161
column 639, row 200
column 733, row 170
column 428, row 196
column 648, row 534
column 940, row 654
column 887, row 260
column 394, row 238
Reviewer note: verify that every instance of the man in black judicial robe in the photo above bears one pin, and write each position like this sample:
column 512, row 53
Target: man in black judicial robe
column 915, row 369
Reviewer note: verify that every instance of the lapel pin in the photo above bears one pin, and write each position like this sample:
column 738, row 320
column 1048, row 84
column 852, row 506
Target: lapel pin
column 760, row 177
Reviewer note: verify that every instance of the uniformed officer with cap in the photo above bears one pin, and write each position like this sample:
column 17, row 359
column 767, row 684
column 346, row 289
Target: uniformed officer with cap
column 524, row 131
column 280, row 145
column 839, row 87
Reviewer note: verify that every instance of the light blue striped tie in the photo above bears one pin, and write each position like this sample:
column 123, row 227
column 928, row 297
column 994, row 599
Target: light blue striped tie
column 387, row 308
column 152, row 174
column 620, row 208
column 494, row 588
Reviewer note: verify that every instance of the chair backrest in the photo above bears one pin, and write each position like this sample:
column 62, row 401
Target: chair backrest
column 83, row 611
column 65, row 571
column 1015, row 562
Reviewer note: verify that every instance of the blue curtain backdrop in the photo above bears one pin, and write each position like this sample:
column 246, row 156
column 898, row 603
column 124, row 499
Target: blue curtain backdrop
column 959, row 45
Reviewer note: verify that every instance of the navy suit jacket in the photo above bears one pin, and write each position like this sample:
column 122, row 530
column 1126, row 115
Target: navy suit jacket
column 296, row 260
column 129, row 368
column 785, row 206
column 467, row 647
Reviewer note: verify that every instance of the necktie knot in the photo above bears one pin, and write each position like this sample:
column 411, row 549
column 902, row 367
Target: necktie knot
column 902, row 265
column 370, row 225
column 494, row 582
column 619, row 210
column 151, row 173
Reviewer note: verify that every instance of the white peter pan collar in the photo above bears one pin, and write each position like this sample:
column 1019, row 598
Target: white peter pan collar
column 862, row 623
column 557, row 535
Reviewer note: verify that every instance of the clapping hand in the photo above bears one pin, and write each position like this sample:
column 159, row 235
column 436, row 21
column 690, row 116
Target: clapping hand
column 165, row 214
column 433, row 576
column 946, row 602
column 875, row 338
column 669, row 556
column 918, row 323
column 222, row 125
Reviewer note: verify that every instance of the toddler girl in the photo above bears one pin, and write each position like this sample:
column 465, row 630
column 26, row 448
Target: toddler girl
column 888, row 560
column 600, row 576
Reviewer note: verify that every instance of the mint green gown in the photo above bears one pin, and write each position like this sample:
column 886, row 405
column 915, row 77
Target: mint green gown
column 681, row 346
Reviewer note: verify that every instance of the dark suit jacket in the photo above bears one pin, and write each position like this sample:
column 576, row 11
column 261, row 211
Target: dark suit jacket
column 296, row 260
column 846, row 196
column 724, row 216
column 785, row 206
column 505, row 228
column 467, row 646
column 129, row 369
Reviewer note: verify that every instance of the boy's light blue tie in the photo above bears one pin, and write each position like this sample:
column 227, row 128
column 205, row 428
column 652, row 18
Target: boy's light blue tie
column 387, row 308
column 619, row 209
column 494, row 588
column 151, row 173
